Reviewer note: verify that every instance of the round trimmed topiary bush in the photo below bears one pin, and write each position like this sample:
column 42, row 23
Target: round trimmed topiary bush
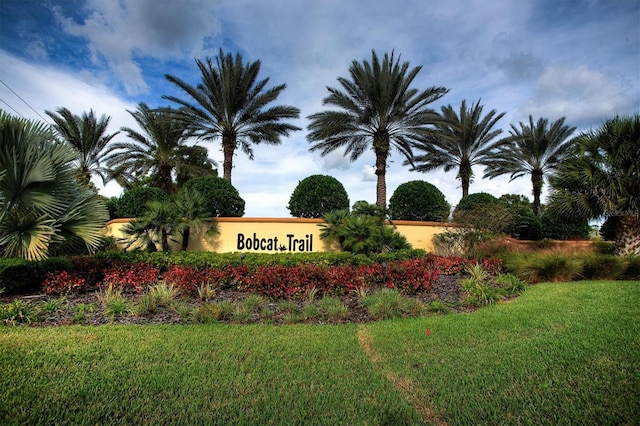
column 317, row 195
column 223, row 199
column 472, row 201
column 418, row 200
column 133, row 203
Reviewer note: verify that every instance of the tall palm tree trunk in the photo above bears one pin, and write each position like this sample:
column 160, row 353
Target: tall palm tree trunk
column 536, row 181
column 185, row 238
column 165, row 239
column 228, row 147
column 84, row 176
column 165, row 181
column 464, row 174
column 628, row 236
column 382, row 152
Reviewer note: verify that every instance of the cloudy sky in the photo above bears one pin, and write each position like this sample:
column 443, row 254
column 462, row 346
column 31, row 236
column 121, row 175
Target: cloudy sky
column 549, row 58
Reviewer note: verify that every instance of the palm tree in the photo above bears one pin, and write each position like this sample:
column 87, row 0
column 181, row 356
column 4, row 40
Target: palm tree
column 42, row 205
column 459, row 142
column 87, row 134
column 601, row 178
column 158, row 150
column 231, row 104
column 159, row 218
column 377, row 109
column 191, row 207
column 532, row 149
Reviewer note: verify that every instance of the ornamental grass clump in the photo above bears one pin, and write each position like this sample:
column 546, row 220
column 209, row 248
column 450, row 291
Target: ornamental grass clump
column 18, row 312
column 163, row 293
column 114, row 303
column 157, row 296
column 510, row 283
column 483, row 288
column 332, row 309
column 146, row 305
column 310, row 311
column 438, row 307
column 51, row 306
column 206, row 292
column 82, row 312
column 207, row 313
column 545, row 266
column 385, row 304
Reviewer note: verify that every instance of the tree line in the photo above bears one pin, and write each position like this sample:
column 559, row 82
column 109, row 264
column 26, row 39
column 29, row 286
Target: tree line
column 377, row 107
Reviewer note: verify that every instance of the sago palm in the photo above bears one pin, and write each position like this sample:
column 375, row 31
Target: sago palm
column 157, row 151
column 87, row 134
column 231, row 104
column 601, row 178
column 459, row 141
column 532, row 149
column 377, row 108
column 42, row 205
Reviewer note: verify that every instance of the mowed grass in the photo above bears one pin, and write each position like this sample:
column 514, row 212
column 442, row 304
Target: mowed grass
column 559, row 354
column 215, row 374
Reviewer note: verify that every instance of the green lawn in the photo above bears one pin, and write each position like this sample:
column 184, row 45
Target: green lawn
column 560, row 354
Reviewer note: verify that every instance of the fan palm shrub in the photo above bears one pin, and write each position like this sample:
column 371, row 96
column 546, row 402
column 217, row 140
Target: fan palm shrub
column 42, row 205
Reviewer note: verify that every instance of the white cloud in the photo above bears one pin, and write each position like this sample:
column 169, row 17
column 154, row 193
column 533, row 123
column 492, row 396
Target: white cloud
column 48, row 88
column 37, row 50
column 334, row 160
column 580, row 94
column 120, row 31
column 368, row 174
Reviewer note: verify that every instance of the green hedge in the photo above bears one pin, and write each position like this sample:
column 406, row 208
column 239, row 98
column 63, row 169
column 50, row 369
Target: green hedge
column 221, row 260
column 19, row 276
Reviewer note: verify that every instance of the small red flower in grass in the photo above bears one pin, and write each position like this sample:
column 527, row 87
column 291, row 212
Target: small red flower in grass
column 427, row 332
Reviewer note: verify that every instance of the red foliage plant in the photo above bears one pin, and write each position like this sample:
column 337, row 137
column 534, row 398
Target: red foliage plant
column 127, row 276
column 90, row 267
column 284, row 281
column 492, row 266
column 185, row 278
column 188, row 279
column 63, row 282
column 452, row 265
column 410, row 276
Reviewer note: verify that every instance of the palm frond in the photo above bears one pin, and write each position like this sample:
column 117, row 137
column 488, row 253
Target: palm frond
column 230, row 104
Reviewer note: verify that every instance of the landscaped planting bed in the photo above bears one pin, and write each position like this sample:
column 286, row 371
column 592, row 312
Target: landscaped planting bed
column 101, row 290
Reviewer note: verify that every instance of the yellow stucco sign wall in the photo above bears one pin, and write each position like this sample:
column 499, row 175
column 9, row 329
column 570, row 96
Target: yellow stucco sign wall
column 273, row 235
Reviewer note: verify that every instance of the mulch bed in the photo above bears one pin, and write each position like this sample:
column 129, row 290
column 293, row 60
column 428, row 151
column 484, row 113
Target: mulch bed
column 445, row 289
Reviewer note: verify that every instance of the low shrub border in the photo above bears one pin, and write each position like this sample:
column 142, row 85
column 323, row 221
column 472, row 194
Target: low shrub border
column 279, row 281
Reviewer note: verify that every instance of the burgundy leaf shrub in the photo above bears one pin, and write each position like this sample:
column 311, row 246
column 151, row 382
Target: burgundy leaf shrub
column 130, row 276
column 63, row 282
